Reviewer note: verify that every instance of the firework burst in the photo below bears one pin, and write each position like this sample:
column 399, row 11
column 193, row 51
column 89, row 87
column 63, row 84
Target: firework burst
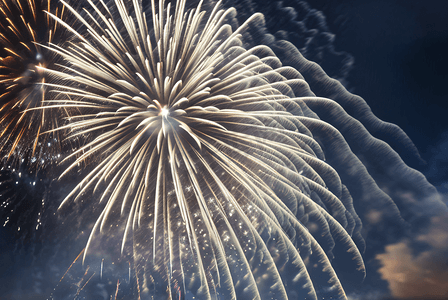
column 202, row 155
column 23, row 26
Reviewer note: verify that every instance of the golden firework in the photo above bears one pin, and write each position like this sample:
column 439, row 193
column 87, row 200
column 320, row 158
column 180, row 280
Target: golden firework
column 24, row 26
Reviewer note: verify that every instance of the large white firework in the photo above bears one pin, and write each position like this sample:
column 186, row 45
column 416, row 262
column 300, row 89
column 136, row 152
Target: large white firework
column 202, row 155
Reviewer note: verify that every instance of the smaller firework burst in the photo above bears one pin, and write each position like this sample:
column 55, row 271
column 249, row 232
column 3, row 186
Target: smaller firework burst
column 24, row 25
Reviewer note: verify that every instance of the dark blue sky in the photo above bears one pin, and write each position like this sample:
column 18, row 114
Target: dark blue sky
column 400, row 50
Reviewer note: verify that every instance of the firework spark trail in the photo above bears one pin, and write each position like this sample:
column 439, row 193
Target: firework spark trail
column 80, row 288
column 79, row 282
column 79, row 255
column 116, row 290
column 204, row 151
column 101, row 269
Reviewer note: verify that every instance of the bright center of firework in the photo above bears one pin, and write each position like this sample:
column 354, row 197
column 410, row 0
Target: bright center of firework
column 164, row 112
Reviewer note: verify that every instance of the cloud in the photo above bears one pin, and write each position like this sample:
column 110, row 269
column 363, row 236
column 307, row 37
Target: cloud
column 370, row 295
column 417, row 268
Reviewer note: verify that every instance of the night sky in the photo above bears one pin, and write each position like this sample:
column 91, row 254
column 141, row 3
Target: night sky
column 400, row 69
column 400, row 51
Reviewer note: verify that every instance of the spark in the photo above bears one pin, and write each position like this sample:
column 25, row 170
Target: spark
column 116, row 290
column 101, row 270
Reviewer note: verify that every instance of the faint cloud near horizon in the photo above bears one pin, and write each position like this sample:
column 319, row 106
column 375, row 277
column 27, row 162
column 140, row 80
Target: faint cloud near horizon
column 417, row 268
